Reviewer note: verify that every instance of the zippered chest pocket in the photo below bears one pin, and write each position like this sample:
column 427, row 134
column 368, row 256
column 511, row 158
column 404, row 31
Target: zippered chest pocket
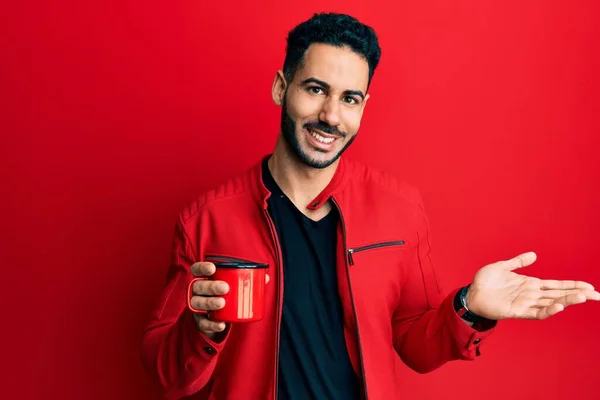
column 378, row 272
column 374, row 246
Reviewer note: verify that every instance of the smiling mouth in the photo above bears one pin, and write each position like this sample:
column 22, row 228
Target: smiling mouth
column 322, row 137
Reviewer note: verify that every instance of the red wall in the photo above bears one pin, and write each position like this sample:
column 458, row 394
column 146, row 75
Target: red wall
column 114, row 115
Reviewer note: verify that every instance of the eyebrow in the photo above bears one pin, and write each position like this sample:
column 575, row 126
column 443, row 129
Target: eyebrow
column 327, row 86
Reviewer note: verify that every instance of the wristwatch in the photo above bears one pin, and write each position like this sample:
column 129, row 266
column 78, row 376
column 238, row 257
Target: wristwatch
column 460, row 306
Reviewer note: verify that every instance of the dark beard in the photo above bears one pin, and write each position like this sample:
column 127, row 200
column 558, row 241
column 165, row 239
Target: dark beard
column 288, row 128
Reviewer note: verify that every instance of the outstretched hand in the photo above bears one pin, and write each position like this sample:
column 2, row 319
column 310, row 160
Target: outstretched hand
column 497, row 292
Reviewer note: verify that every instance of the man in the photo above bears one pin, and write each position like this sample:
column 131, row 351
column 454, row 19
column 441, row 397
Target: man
column 353, row 291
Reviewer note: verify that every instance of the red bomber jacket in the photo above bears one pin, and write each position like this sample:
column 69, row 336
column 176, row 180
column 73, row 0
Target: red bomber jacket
column 394, row 308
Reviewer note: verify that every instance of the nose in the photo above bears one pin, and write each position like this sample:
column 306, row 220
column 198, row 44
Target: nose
column 330, row 112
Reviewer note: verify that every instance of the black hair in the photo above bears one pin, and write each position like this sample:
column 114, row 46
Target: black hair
column 334, row 29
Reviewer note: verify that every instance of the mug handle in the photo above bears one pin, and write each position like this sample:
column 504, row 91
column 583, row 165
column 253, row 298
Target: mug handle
column 190, row 294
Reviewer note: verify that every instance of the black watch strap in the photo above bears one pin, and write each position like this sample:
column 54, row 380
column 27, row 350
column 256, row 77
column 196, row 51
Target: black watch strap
column 460, row 306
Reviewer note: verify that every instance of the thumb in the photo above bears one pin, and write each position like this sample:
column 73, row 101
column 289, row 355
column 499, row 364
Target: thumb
column 520, row 261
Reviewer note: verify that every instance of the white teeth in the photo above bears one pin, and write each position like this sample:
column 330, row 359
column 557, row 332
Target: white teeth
column 321, row 138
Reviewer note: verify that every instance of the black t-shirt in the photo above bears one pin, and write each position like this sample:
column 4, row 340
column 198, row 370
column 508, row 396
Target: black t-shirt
column 313, row 359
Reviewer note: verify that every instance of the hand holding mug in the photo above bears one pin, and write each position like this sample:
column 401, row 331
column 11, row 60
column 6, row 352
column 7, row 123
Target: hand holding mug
column 242, row 285
column 206, row 298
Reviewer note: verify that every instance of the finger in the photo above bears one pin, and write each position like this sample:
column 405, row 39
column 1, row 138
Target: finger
column 210, row 288
column 549, row 311
column 520, row 261
column 565, row 285
column 554, row 306
column 206, row 325
column 571, row 299
column 203, row 269
column 556, row 294
column 207, row 303
column 534, row 313
column 541, row 303
column 267, row 278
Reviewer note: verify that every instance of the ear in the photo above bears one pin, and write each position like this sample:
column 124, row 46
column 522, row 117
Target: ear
column 279, row 86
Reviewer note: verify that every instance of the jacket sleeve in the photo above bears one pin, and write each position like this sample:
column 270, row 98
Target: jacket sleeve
column 427, row 331
column 176, row 353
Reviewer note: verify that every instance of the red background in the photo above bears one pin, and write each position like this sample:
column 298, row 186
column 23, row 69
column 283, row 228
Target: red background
column 114, row 115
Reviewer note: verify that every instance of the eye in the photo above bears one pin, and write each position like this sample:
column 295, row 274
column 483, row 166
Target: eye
column 350, row 100
column 315, row 90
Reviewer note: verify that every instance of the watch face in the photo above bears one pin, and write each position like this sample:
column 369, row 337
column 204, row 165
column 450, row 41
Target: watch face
column 461, row 308
column 459, row 302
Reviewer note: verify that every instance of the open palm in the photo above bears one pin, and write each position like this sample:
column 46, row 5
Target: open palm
column 497, row 292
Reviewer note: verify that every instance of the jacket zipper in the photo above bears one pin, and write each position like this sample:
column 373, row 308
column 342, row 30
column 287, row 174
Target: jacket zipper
column 279, row 297
column 348, row 262
column 372, row 246
column 229, row 259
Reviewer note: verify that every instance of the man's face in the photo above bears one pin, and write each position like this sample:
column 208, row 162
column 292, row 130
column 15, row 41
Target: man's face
column 323, row 105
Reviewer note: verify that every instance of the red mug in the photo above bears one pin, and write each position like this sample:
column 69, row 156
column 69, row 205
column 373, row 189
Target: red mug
column 245, row 301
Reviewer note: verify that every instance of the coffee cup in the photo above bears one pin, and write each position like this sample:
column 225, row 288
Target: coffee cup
column 245, row 300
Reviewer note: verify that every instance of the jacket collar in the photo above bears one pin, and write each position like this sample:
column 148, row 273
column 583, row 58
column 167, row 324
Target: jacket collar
column 261, row 194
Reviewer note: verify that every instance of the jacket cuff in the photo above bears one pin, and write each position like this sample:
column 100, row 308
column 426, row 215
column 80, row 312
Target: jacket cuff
column 199, row 342
column 469, row 338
